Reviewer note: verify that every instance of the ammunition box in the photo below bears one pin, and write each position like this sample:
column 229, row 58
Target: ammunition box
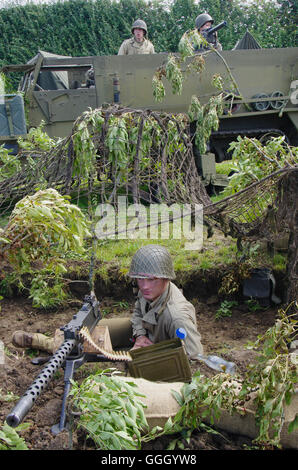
column 164, row 362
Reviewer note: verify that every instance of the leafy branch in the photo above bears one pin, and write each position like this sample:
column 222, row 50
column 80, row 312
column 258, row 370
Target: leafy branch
column 273, row 378
column 10, row 439
column 41, row 230
column 109, row 410
column 252, row 161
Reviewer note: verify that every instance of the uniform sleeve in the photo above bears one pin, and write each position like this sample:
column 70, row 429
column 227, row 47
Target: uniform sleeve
column 123, row 49
column 192, row 341
column 152, row 50
column 137, row 321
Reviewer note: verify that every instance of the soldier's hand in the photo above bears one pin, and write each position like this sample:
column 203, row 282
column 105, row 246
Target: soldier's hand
column 141, row 342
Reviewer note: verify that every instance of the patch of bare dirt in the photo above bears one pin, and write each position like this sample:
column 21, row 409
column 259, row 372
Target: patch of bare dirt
column 225, row 337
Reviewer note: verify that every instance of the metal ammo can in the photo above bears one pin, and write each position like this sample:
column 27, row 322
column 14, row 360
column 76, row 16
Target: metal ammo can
column 165, row 361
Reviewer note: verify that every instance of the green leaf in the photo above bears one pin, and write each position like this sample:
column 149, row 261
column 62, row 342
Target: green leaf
column 293, row 426
column 178, row 397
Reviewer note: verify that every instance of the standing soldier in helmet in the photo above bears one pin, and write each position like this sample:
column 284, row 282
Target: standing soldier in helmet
column 138, row 44
column 160, row 309
column 203, row 23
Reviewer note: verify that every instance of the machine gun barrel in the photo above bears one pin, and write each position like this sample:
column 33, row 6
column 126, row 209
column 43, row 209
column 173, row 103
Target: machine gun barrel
column 88, row 316
column 40, row 383
column 216, row 28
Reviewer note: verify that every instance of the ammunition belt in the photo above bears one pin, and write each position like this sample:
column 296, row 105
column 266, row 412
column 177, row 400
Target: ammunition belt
column 112, row 355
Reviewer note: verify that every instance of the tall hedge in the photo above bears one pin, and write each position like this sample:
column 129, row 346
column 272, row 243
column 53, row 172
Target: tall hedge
column 97, row 27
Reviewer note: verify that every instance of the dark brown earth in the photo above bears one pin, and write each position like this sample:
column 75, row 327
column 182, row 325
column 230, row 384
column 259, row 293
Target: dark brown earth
column 225, row 337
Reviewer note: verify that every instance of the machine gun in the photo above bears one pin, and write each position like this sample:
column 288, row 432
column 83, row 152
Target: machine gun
column 71, row 356
column 209, row 34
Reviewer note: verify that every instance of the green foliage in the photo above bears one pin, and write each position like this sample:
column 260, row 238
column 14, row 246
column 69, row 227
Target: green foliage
column 109, row 410
column 9, row 396
column 189, row 42
column 204, row 397
column 9, row 164
column 273, row 378
column 158, row 88
column 37, row 139
column 126, row 135
column 252, row 161
column 43, row 229
column 174, row 74
column 275, row 375
column 225, row 309
column 253, row 305
column 98, row 27
column 207, row 119
column 36, row 142
column 9, row 438
column 48, row 287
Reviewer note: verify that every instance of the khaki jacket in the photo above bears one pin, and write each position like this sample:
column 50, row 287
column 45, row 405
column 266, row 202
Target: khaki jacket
column 130, row 46
column 164, row 315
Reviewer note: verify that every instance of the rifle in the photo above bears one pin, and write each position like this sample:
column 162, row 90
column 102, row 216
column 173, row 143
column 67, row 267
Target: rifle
column 71, row 356
column 209, row 34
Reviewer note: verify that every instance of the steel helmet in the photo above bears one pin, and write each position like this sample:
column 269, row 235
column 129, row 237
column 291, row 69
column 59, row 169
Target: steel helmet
column 152, row 261
column 139, row 24
column 202, row 19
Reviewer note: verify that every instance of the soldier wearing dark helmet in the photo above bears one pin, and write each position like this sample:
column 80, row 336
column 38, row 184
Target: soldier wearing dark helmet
column 204, row 22
column 138, row 44
column 160, row 308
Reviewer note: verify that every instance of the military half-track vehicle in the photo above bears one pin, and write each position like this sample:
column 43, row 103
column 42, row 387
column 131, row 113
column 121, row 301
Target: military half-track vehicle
column 57, row 92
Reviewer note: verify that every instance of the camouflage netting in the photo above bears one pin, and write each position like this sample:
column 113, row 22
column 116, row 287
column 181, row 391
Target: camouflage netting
column 142, row 154
column 263, row 210
column 148, row 157
column 266, row 210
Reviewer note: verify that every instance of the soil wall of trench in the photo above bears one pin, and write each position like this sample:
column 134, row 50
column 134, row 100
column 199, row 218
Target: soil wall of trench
column 201, row 284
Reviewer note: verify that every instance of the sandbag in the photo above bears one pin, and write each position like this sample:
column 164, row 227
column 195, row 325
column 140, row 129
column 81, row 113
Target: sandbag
column 161, row 405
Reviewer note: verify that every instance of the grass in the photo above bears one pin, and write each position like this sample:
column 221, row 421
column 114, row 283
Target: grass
column 116, row 255
column 224, row 168
column 279, row 262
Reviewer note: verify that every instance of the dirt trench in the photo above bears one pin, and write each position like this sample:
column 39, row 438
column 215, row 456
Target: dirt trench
column 225, row 337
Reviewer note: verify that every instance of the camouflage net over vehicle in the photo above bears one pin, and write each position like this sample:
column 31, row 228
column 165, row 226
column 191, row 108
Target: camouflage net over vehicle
column 145, row 154
column 263, row 210
column 148, row 157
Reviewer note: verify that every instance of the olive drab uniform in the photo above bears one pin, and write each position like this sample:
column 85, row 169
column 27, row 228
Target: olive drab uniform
column 160, row 319
column 200, row 21
column 130, row 47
